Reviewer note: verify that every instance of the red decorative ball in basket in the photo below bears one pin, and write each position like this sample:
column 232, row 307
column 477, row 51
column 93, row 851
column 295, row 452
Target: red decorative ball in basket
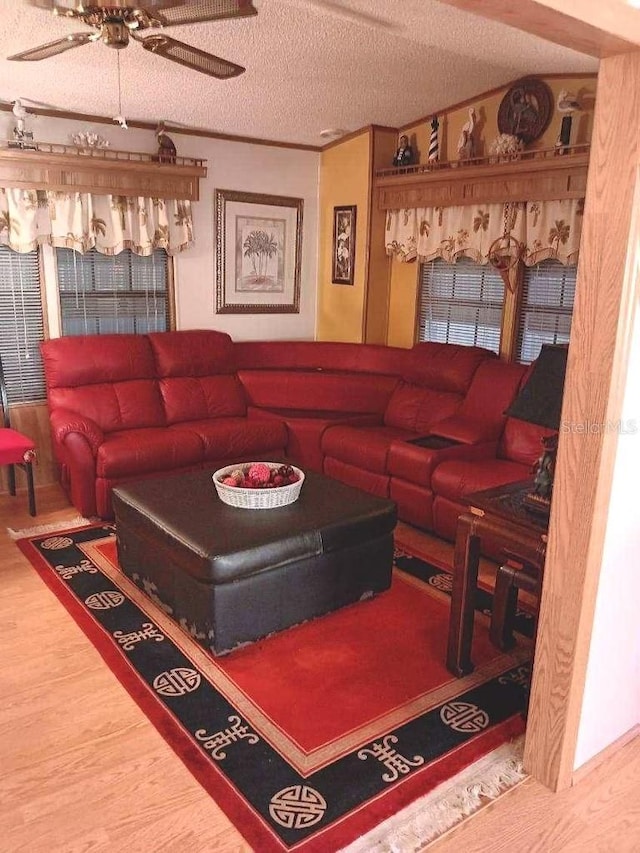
column 258, row 485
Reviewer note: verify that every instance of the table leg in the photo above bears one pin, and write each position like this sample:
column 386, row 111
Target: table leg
column 465, row 581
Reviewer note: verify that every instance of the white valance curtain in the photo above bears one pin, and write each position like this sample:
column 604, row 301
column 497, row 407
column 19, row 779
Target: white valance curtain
column 82, row 221
column 546, row 229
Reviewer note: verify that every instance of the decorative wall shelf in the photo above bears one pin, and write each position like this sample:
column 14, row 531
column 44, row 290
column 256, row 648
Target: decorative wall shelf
column 540, row 175
column 101, row 171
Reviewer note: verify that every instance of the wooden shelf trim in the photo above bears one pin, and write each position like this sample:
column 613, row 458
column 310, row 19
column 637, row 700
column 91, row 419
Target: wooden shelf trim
column 100, row 171
column 543, row 177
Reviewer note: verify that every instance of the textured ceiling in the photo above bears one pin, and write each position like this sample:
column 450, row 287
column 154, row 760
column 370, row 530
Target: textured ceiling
column 311, row 65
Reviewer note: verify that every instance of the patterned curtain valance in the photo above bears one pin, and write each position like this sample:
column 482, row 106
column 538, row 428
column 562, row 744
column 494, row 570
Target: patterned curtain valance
column 81, row 221
column 546, row 229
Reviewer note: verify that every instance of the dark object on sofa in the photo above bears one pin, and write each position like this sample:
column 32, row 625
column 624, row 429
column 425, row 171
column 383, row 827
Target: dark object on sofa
column 230, row 576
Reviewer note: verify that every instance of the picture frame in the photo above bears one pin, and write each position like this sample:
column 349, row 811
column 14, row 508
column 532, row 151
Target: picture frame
column 344, row 244
column 258, row 253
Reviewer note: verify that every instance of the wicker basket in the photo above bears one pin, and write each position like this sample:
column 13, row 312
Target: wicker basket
column 257, row 498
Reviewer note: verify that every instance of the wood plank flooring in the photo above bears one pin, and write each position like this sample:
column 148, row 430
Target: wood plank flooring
column 82, row 769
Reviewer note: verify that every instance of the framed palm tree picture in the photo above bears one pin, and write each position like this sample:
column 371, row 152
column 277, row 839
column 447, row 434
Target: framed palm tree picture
column 344, row 244
column 258, row 253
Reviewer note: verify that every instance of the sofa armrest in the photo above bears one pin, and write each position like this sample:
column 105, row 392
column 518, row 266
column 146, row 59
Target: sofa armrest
column 64, row 422
column 468, row 430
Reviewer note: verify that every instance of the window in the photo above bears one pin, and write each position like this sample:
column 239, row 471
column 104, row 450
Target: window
column 548, row 292
column 123, row 293
column 460, row 303
column 21, row 325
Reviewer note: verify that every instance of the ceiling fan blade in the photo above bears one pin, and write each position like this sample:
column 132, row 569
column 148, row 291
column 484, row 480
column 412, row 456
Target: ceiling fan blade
column 77, row 8
column 53, row 48
column 204, row 10
column 192, row 57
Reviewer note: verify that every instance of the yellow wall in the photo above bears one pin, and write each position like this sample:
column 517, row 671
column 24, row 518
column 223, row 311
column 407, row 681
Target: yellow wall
column 344, row 180
column 402, row 304
column 379, row 272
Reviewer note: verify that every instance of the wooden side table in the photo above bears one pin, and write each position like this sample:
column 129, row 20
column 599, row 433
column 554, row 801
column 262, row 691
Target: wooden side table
column 497, row 514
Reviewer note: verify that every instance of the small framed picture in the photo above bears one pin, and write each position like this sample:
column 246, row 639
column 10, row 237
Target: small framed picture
column 344, row 244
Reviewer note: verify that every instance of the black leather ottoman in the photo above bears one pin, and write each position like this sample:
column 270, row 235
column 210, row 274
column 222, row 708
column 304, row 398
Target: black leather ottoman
column 230, row 576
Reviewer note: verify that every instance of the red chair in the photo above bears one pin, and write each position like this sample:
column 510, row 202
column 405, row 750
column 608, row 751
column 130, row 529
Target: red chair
column 15, row 448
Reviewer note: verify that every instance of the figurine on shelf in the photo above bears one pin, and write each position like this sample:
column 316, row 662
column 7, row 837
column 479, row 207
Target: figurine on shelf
column 404, row 153
column 566, row 104
column 23, row 138
column 89, row 139
column 166, row 146
column 20, row 113
column 434, row 147
column 466, row 141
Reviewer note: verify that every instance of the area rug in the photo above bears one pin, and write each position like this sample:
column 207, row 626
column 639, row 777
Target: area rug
column 310, row 738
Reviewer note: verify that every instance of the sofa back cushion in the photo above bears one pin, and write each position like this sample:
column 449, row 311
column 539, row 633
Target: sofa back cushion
column 108, row 378
column 318, row 390
column 91, row 359
column 445, row 367
column 197, row 375
column 194, row 398
column 193, row 352
column 418, row 409
column 481, row 417
column 322, row 355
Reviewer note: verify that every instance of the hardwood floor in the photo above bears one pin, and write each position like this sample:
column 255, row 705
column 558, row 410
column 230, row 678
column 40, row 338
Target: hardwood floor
column 601, row 813
column 82, row 769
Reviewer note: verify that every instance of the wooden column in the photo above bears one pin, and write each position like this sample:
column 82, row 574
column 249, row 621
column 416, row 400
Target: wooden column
column 608, row 290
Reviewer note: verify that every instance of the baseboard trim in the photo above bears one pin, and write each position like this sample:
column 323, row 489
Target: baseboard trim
column 605, row 754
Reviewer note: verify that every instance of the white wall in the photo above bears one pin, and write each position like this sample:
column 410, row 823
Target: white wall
column 231, row 166
column 611, row 704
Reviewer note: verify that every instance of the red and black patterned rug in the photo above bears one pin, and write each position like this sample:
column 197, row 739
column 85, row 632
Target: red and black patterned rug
column 311, row 737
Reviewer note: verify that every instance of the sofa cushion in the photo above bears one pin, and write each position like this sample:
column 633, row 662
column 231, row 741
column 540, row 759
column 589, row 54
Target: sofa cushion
column 368, row 481
column 128, row 453
column 365, row 447
column 114, row 406
column 237, row 438
column 322, row 355
column 324, row 390
column 481, row 417
column 445, row 367
column 80, row 360
column 195, row 398
column 193, row 352
column 305, row 430
column 457, row 478
column 416, row 409
column 107, row 378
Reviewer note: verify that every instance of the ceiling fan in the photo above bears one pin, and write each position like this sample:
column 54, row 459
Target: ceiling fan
column 116, row 22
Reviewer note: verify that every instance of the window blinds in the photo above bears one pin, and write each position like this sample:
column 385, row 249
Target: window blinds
column 21, row 325
column 547, row 306
column 105, row 294
column 460, row 303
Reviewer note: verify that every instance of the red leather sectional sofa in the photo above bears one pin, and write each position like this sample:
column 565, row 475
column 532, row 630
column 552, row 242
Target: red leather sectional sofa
column 424, row 426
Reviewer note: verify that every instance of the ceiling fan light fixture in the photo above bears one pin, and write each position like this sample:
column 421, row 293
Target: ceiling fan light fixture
column 115, row 34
